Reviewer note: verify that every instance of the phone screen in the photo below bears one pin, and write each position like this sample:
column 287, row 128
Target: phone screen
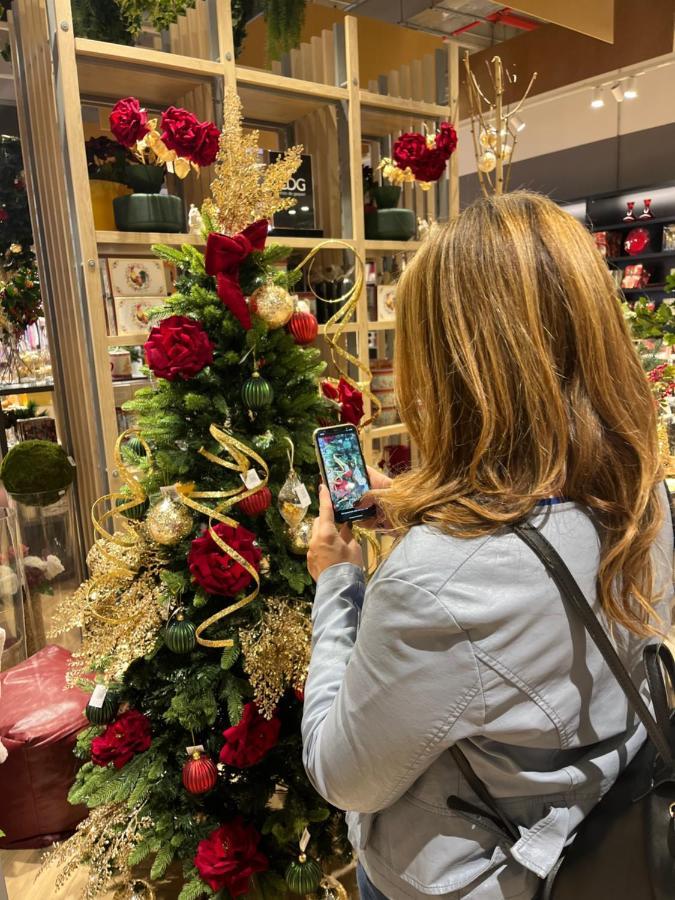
column 344, row 470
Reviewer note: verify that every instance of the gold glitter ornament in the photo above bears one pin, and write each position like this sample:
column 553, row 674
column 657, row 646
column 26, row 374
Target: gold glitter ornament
column 169, row 520
column 273, row 304
column 331, row 889
column 299, row 537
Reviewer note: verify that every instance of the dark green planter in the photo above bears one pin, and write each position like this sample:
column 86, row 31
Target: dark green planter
column 149, row 212
column 144, row 179
column 387, row 224
column 385, row 195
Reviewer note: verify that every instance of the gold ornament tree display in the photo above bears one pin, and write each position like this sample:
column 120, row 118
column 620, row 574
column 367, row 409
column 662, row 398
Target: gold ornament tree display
column 494, row 125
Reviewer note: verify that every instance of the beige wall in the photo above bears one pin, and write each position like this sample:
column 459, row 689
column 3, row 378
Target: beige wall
column 382, row 46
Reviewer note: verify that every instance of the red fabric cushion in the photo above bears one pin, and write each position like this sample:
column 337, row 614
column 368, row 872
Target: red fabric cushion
column 39, row 721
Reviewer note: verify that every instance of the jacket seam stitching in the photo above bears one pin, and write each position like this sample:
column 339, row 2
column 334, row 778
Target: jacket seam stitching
column 529, row 691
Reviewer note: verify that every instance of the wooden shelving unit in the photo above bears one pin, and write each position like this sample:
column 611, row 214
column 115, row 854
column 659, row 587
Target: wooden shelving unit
column 321, row 104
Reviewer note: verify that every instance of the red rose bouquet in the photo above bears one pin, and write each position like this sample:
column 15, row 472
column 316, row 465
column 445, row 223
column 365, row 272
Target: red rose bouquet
column 349, row 399
column 184, row 143
column 250, row 740
column 128, row 735
column 229, row 856
column 217, row 572
column 178, row 348
column 420, row 158
column 183, row 132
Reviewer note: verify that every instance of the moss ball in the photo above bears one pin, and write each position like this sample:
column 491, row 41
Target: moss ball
column 37, row 467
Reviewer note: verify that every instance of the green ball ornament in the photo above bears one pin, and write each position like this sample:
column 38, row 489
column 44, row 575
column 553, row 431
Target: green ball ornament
column 257, row 393
column 102, row 715
column 37, row 468
column 303, row 876
column 136, row 512
column 179, row 635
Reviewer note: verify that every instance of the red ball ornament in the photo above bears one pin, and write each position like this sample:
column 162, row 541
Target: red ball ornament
column 257, row 503
column 199, row 774
column 304, row 327
column 4, row 215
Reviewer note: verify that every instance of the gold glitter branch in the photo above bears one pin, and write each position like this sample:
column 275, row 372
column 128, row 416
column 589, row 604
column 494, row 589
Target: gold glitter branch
column 105, row 840
column 244, row 190
column 276, row 653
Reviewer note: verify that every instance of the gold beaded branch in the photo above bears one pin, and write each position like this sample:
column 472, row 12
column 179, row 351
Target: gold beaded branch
column 493, row 127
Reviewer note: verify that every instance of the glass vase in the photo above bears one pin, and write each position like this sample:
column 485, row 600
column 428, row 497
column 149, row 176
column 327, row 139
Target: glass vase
column 12, row 617
column 46, row 529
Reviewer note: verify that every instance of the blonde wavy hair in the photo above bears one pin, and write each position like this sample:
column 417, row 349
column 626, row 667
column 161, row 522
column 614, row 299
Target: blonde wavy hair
column 517, row 378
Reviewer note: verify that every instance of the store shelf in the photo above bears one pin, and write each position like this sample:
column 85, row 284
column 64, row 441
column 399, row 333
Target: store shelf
column 138, row 243
column 384, row 115
column 392, row 246
column 127, row 340
column 636, row 223
column 110, row 71
column 388, row 325
column 268, row 97
column 384, row 431
column 20, row 387
column 305, row 243
column 650, row 289
column 660, row 254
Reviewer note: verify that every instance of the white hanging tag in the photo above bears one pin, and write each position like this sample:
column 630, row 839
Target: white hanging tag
column 98, row 696
column 198, row 748
column 304, row 840
column 251, row 479
column 302, row 495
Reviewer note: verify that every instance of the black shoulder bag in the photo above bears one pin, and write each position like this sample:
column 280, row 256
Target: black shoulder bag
column 625, row 847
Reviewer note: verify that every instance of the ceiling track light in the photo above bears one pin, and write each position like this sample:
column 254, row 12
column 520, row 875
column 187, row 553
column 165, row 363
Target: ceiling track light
column 516, row 124
column 617, row 92
column 598, row 99
column 630, row 91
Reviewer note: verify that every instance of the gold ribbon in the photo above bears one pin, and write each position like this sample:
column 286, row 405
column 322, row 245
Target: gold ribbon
column 241, row 456
column 339, row 322
column 118, row 568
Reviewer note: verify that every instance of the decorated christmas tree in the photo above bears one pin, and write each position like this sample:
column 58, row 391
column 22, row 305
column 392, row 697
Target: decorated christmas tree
column 196, row 615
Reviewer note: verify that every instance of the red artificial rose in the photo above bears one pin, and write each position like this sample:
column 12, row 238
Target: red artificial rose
column 431, row 166
column 229, row 856
column 446, row 138
column 128, row 122
column 206, row 146
column 217, row 572
column 349, row 399
column 183, row 132
column 128, row 735
column 251, row 740
column 408, row 149
column 178, row 348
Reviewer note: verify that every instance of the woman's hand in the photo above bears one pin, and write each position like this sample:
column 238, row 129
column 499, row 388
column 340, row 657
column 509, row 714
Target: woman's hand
column 378, row 482
column 329, row 546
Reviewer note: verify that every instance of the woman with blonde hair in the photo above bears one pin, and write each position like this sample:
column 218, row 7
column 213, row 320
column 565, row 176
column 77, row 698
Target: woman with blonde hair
column 520, row 387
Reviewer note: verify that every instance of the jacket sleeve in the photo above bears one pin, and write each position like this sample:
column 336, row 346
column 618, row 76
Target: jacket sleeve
column 380, row 708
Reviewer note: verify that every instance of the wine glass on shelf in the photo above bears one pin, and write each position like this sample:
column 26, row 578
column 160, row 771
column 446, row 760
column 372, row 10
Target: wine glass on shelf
column 647, row 211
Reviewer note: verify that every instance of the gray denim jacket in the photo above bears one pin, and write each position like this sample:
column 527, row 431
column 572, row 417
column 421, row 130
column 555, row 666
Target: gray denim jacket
column 467, row 640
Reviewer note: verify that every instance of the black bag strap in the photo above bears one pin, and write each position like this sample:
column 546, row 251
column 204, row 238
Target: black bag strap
column 571, row 591
column 657, row 729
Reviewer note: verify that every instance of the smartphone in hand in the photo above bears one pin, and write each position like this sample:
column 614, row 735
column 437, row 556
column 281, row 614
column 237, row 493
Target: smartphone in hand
column 344, row 471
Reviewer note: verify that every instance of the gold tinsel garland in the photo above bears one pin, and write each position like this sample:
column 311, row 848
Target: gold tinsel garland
column 276, row 653
column 103, row 842
column 242, row 193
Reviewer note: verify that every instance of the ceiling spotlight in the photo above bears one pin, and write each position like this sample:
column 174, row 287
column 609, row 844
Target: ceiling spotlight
column 617, row 92
column 597, row 100
column 630, row 91
column 516, row 124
